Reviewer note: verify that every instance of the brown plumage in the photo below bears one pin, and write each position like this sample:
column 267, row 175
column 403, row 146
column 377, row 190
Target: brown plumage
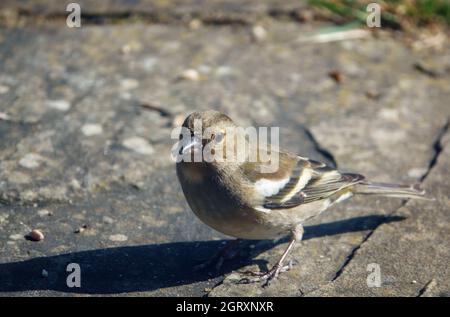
column 242, row 200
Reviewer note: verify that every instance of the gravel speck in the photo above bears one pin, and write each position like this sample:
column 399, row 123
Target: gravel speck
column 75, row 184
column 36, row 235
column 31, row 161
column 139, row 145
column 61, row 105
column 259, row 33
column 118, row 237
column 336, row 75
column 190, row 74
column 178, row 120
column 91, row 129
column 417, row 172
column 44, row 212
column 4, row 116
column 16, row 236
column 3, row 89
column 80, row 229
column 129, row 83
column 195, row 24
column 108, row 220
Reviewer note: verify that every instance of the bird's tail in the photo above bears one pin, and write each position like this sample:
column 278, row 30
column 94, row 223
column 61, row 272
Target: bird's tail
column 391, row 190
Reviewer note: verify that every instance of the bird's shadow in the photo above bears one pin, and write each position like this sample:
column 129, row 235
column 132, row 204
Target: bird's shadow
column 150, row 267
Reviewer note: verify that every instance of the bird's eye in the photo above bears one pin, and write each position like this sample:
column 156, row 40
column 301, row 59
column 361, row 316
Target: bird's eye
column 218, row 137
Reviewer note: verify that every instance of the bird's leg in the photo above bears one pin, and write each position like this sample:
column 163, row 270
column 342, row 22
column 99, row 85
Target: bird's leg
column 279, row 267
column 274, row 271
column 223, row 254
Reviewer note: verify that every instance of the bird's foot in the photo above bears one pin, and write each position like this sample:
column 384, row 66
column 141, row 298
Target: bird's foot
column 265, row 277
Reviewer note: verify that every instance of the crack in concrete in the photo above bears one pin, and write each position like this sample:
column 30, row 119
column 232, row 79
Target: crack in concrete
column 352, row 255
column 168, row 16
column 161, row 111
column 437, row 148
column 320, row 149
column 222, row 280
column 431, row 283
column 355, row 249
column 147, row 17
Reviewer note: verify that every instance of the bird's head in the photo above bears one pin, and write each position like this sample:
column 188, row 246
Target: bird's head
column 205, row 135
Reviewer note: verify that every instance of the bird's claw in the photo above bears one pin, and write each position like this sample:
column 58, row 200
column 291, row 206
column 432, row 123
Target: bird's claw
column 267, row 277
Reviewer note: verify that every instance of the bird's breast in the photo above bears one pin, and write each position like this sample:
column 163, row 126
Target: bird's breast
column 217, row 206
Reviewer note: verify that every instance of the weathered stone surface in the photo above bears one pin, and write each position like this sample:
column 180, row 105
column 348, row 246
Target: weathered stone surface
column 108, row 6
column 85, row 143
column 209, row 12
column 388, row 139
column 413, row 254
column 107, row 87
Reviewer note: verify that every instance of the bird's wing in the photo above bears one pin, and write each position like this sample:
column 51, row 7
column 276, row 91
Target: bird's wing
column 297, row 181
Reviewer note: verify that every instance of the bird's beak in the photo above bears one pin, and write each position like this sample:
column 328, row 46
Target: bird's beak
column 195, row 144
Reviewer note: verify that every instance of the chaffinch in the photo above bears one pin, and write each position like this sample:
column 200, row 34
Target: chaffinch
column 241, row 199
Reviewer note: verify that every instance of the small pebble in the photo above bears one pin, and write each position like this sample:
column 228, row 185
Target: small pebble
column 178, row 120
column 373, row 94
column 195, row 24
column 126, row 49
column 129, row 83
column 337, row 76
column 259, row 33
column 91, row 129
column 118, row 237
column 61, row 105
column 75, row 184
column 414, row 282
column 131, row 47
column 80, row 229
column 44, row 273
column 417, row 172
column 4, row 116
column 30, row 161
column 3, row 216
column 190, row 74
column 389, row 114
column 108, row 220
column 16, row 236
column 44, row 212
column 3, row 89
column 36, row 235
column 139, row 145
